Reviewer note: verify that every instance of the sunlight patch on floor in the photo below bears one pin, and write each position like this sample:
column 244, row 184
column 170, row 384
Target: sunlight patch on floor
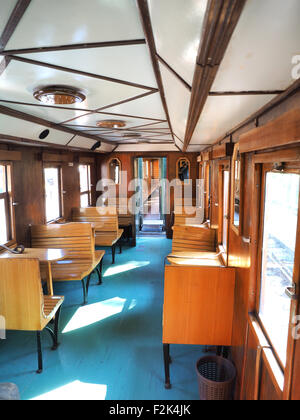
column 76, row 391
column 132, row 265
column 90, row 314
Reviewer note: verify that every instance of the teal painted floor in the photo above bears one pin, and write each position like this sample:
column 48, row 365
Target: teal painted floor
column 112, row 348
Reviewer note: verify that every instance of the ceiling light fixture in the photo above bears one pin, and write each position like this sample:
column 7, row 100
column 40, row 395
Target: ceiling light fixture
column 111, row 124
column 59, row 95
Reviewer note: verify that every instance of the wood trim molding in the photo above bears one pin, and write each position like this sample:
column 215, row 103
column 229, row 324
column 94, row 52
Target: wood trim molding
column 75, row 47
column 86, row 160
column 283, row 131
column 220, row 21
column 10, row 155
column 13, row 21
column 55, row 157
column 223, row 150
column 148, row 31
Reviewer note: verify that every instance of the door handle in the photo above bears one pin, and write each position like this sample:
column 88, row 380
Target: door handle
column 290, row 291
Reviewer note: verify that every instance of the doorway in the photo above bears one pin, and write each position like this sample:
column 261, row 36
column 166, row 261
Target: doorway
column 150, row 216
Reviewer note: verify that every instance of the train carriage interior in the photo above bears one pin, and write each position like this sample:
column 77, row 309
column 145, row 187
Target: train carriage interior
column 149, row 200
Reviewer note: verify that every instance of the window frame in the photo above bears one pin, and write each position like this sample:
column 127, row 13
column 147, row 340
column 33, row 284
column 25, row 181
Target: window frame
column 266, row 168
column 89, row 184
column 120, row 169
column 9, row 206
column 238, row 230
column 223, row 166
column 60, row 187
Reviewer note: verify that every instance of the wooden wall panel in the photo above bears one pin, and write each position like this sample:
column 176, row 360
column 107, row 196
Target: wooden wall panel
column 28, row 186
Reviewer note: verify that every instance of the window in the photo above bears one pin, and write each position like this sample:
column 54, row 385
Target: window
column 236, row 190
column 225, row 209
column 52, row 176
column 6, row 225
column 183, row 169
column 114, row 168
column 278, row 244
column 85, row 185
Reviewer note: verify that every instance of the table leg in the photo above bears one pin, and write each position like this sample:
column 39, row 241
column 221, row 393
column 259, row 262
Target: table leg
column 49, row 279
column 167, row 360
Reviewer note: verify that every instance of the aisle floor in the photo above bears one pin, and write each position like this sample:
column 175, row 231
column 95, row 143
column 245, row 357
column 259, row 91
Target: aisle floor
column 111, row 348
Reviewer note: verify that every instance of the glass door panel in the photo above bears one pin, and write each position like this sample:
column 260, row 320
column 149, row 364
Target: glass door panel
column 278, row 254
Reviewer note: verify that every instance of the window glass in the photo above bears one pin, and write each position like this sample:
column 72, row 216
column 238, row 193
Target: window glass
column 278, row 254
column 225, row 207
column 83, row 171
column 85, row 185
column 2, row 179
column 237, row 180
column 3, row 222
column 52, row 188
column 84, row 200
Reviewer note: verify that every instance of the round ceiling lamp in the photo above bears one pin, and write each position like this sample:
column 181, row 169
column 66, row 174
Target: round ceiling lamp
column 59, row 95
column 111, row 124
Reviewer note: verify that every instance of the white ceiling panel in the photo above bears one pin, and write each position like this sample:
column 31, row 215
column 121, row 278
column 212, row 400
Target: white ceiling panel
column 177, row 26
column 24, row 129
column 83, row 142
column 47, row 113
column 130, row 63
column 259, row 56
column 149, row 106
column 91, row 120
column 57, row 22
column 178, row 99
column 222, row 113
column 6, row 8
column 146, row 148
column 20, row 80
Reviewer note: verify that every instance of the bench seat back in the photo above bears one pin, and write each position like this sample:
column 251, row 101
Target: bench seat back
column 193, row 238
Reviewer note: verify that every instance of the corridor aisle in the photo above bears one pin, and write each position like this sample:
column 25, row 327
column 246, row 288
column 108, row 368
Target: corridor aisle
column 111, row 348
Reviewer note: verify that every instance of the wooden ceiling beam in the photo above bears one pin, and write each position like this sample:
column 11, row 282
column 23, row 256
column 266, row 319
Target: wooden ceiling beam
column 40, row 121
column 74, row 47
column 13, row 21
column 148, row 31
column 220, row 21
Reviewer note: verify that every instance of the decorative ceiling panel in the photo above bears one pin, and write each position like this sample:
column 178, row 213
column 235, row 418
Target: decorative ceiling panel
column 259, row 56
column 62, row 22
column 222, row 113
column 130, row 63
column 28, row 130
column 178, row 99
column 20, row 80
column 177, row 25
column 150, row 106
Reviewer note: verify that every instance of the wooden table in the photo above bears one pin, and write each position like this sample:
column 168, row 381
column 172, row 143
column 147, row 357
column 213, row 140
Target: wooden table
column 44, row 255
column 211, row 259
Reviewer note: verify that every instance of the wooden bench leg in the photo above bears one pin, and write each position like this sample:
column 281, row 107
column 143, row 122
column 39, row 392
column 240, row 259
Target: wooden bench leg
column 167, row 360
column 39, row 351
column 113, row 250
column 85, row 287
column 99, row 271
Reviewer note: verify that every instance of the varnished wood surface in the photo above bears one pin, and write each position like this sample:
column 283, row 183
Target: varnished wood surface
column 21, row 299
column 198, row 305
column 42, row 254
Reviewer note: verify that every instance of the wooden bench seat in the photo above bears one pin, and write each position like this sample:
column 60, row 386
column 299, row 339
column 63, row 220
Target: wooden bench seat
column 105, row 222
column 187, row 215
column 81, row 259
column 22, row 303
column 190, row 238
